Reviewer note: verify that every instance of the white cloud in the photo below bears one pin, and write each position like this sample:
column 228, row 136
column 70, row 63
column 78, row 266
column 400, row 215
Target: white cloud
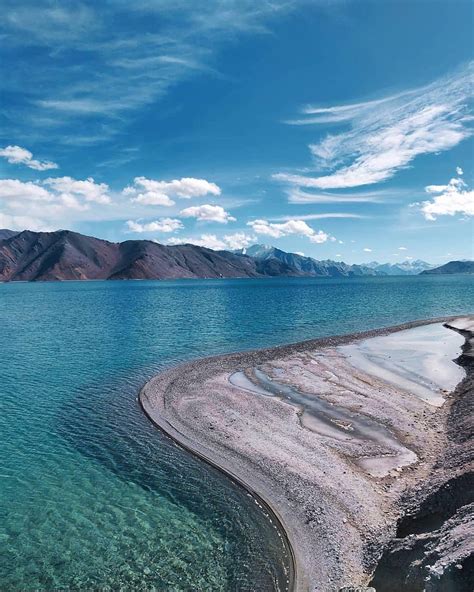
column 12, row 190
column 320, row 237
column 459, row 171
column 71, row 202
column 63, row 192
column 162, row 225
column 278, row 230
column 23, row 223
column 451, row 199
column 297, row 227
column 152, row 198
column 61, row 201
column 52, row 202
column 189, row 187
column 402, row 249
column 88, row 189
column 366, row 250
column 238, row 240
column 18, row 155
column 160, row 193
column 210, row 241
column 388, row 134
column 209, row 213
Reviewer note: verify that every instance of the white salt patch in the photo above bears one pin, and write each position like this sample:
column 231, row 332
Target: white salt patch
column 381, row 466
column 240, row 380
column 418, row 360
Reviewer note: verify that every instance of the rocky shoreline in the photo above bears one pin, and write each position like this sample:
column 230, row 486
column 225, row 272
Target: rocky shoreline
column 343, row 522
column 433, row 548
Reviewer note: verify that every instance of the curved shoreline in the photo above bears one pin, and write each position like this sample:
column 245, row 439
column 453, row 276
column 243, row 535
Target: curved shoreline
column 226, row 363
column 238, row 482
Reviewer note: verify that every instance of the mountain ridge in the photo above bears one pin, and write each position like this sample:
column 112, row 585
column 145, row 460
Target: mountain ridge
column 67, row 255
column 307, row 265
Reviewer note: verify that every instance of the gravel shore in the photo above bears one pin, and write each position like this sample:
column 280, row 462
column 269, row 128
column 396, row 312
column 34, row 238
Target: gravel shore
column 337, row 480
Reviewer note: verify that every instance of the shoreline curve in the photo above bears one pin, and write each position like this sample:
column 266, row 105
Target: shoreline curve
column 298, row 580
column 238, row 482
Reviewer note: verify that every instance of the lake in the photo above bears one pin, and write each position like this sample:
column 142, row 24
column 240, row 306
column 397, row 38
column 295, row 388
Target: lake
column 93, row 495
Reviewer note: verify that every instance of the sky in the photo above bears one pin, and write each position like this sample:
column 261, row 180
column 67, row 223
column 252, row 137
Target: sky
column 341, row 129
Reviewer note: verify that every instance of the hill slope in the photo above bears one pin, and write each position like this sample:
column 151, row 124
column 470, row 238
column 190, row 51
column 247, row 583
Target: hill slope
column 451, row 268
column 5, row 233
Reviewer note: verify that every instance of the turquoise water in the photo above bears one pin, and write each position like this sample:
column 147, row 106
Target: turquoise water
column 93, row 496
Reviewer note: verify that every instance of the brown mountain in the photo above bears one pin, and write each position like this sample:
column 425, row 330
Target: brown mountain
column 67, row 255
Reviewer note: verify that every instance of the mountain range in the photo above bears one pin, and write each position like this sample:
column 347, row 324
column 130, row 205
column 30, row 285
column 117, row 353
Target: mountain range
column 408, row 267
column 67, row 255
column 310, row 266
column 307, row 265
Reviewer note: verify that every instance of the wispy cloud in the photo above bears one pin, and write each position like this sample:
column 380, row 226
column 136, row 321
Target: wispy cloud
column 386, row 135
column 299, row 196
column 448, row 200
column 96, row 61
column 18, row 155
column 327, row 215
column 338, row 113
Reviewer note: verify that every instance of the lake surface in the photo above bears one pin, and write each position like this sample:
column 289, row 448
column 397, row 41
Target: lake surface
column 93, row 496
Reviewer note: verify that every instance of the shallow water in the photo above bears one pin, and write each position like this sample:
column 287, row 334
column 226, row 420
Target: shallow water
column 92, row 494
column 419, row 360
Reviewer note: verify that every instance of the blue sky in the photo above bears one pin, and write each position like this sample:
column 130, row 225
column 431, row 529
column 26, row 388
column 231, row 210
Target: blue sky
column 339, row 129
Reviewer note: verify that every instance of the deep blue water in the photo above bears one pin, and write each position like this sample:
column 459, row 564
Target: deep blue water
column 93, row 496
